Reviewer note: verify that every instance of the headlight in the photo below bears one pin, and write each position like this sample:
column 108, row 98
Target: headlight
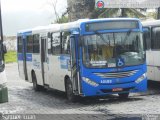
column 140, row 79
column 90, row 82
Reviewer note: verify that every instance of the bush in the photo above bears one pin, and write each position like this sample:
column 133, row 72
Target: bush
column 10, row 57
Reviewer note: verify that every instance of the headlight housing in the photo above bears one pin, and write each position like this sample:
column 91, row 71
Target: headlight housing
column 90, row 82
column 140, row 79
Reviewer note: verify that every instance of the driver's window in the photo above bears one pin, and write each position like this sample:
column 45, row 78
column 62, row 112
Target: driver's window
column 73, row 50
column 65, row 43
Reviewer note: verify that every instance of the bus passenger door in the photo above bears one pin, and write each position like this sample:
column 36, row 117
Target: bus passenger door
column 74, row 75
column 25, row 57
column 21, row 57
column 44, row 60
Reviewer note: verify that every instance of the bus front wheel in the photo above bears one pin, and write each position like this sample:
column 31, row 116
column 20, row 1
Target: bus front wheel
column 123, row 95
column 69, row 91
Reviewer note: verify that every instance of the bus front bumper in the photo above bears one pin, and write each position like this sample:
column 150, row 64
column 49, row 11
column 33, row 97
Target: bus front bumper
column 100, row 90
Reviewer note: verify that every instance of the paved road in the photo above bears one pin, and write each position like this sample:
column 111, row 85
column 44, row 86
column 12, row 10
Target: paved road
column 24, row 100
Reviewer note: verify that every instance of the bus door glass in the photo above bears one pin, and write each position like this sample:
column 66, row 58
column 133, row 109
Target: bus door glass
column 73, row 63
column 25, row 56
column 44, row 60
column 20, row 57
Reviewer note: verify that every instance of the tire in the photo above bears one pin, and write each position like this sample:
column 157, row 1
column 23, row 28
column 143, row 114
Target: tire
column 36, row 87
column 123, row 95
column 69, row 92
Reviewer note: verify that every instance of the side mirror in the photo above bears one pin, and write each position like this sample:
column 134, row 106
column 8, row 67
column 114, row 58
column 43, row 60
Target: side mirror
column 4, row 49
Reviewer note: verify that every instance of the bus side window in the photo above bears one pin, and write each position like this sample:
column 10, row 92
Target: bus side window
column 49, row 43
column 56, row 46
column 30, row 44
column 155, row 38
column 158, row 37
column 65, row 43
column 147, row 39
column 36, row 45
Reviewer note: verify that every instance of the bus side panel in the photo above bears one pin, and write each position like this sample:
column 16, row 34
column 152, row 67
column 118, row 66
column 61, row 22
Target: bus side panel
column 29, row 66
column 157, row 73
column 37, row 68
column 156, row 56
column 58, row 69
column 20, row 66
column 150, row 65
column 150, row 58
column 150, row 73
column 153, row 65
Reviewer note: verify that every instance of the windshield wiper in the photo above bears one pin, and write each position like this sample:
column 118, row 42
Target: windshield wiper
column 127, row 35
column 101, row 36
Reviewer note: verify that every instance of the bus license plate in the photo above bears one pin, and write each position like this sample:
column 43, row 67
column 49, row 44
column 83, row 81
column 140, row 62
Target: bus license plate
column 117, row 89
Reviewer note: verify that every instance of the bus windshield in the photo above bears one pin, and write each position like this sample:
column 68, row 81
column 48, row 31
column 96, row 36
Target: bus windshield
column 103, row 50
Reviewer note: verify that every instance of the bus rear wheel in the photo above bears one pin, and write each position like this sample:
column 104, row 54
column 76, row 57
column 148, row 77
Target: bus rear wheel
column 123, row 95
column 36, row 87
column 69, row 91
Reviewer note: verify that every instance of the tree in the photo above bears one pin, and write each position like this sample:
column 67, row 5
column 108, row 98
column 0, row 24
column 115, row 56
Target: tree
column 62, row 19
column 54, row 5
column 79, row 9
column 59, row 18
column 152, row 15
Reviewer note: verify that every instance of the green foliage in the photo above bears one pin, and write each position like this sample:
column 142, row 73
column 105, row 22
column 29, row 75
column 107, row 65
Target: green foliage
column 152, row 15
column 10, row 57
column 63, row 19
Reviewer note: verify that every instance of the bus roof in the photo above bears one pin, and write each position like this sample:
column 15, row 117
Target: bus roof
column 151, row 23
column 70, row 25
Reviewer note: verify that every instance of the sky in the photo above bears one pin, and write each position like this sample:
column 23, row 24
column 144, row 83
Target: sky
column 24, row 14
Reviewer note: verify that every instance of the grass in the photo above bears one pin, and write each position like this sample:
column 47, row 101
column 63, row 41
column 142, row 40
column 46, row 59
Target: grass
column 10, row 57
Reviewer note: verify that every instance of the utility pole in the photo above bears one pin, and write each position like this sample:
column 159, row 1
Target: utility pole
column 1, row 33
column 3, row 87
column 1, row 27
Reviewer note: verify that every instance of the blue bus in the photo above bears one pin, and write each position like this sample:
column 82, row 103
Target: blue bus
column 90, row 57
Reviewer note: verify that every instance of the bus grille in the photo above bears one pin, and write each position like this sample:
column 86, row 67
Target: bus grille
column 117, row 74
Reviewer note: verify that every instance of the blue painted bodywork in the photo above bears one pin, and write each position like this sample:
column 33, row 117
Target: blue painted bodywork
column 125, row 83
